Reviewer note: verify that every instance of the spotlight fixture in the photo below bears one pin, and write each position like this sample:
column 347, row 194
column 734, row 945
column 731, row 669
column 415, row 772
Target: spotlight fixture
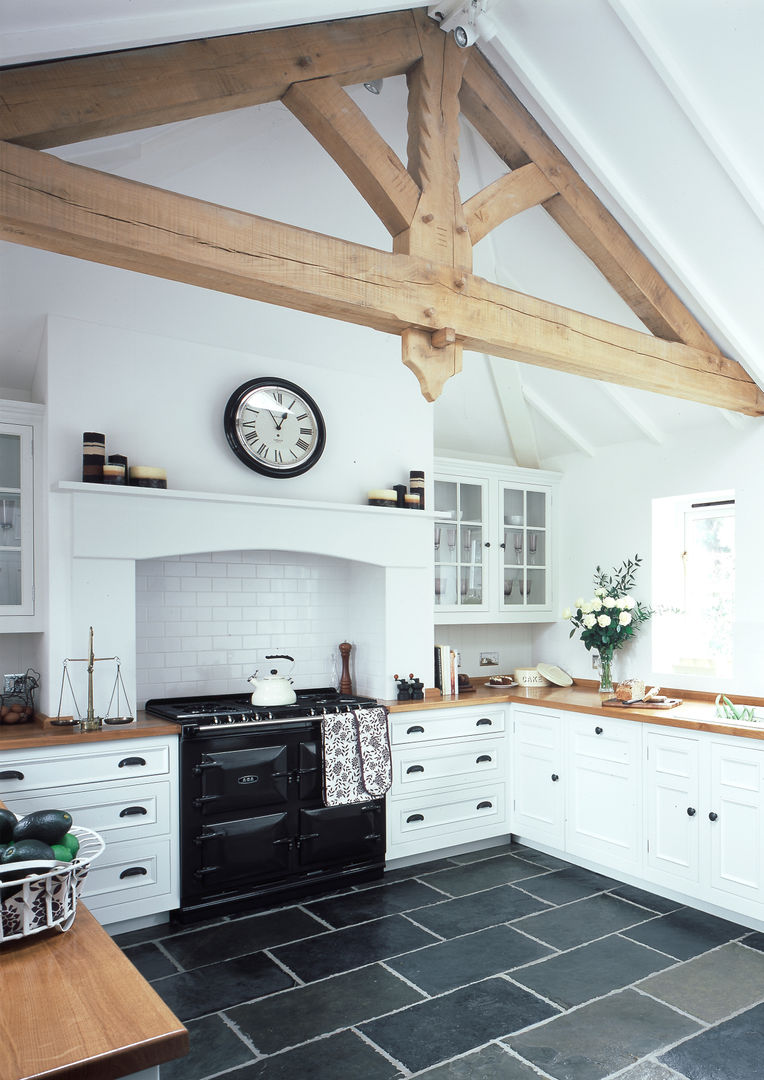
column 466, row 18
column 374, row 87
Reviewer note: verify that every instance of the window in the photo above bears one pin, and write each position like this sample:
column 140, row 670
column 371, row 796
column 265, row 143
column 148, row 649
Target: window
column 693, row 592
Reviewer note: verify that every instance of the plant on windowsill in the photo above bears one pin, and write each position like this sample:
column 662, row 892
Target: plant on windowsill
column 610, row 618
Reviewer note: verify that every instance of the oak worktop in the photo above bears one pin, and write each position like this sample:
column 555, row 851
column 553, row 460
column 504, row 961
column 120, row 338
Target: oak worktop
column 41, row 733
column 697, row 711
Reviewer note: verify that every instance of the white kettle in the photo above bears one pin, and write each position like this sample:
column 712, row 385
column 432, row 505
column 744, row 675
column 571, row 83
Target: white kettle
column 273, row 688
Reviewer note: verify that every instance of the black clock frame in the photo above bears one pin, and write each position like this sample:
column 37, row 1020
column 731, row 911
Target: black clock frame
column 243, row 454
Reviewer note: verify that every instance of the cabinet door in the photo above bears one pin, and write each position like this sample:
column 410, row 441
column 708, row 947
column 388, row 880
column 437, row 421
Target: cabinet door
column 674, row 821
column 16, row 544
column 459, row 539
column 733, row 819
column 524, row 514
column 537, row 776
column 604, row 803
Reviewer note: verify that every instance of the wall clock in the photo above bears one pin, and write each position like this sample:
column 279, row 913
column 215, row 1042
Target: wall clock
column 274, row 427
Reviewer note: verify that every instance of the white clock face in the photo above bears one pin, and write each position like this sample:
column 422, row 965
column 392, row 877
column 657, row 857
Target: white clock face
column 274, row 427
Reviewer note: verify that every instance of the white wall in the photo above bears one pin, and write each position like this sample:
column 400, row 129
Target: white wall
column 606, row 517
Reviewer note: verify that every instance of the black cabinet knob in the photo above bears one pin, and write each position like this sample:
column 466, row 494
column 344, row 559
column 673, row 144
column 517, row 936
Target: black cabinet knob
column 555, row 777
column 713, row 816
column 417, row 729
column 691, row 811
column 598, row 731
column 414, row 769
column 502, row 546
column 488, row 543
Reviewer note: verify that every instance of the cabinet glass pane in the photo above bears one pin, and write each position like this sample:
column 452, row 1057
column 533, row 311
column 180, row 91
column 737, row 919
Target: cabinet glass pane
column 471, row 502
column 10, row 578
column 10, row 520
column 513, row 593
column 445, row 498
column 535, row 587
column 536, row 543
column 10, row 461
column 471, row 585
column 514, row 506
column 536, row 509
column 514, row 547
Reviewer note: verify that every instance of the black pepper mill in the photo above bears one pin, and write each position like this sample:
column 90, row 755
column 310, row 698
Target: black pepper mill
column 416, row 485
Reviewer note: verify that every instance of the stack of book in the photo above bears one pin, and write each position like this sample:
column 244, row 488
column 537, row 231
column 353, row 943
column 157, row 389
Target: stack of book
column 446, row 678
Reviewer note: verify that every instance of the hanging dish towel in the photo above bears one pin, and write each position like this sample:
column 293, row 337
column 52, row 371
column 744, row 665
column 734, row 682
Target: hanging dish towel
column 357, row 764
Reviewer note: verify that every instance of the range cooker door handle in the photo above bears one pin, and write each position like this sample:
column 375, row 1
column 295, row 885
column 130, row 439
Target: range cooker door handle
column 199, row 840
column 198, row 803
column 206, row 870
column 307, row 836
column 199, row 769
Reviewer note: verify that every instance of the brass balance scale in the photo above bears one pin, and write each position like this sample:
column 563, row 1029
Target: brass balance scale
column 89, row 721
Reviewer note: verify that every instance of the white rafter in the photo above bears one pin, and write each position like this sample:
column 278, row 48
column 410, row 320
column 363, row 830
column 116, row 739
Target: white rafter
column 556, row 419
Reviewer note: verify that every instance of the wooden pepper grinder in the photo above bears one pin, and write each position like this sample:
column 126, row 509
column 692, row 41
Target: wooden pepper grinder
column 346, row 686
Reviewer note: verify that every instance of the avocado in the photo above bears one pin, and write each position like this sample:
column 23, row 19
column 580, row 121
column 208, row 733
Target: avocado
column 7, row 823
column 26, row 850
column 50, row 826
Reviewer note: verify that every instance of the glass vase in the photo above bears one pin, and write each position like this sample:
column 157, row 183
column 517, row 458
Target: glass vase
column 607, row 689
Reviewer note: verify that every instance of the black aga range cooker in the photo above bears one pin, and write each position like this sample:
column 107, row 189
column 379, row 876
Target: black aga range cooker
column 253, row 826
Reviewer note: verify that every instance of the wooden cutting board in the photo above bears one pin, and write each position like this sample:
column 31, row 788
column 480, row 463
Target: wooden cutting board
column 660, row 703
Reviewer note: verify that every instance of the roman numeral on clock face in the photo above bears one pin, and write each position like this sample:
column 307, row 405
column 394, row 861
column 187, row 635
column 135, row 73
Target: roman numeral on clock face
column 302, row 444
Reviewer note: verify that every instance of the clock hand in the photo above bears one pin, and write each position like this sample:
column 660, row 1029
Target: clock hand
column 281, row 421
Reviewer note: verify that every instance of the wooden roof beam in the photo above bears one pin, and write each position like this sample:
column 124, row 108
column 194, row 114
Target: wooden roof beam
column 52, row 204
column 514, row 135
column 374, row 169
column 66, row 101
column 509, row 195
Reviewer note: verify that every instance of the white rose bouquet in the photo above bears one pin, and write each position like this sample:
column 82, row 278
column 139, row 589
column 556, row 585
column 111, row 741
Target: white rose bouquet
column 610, row 618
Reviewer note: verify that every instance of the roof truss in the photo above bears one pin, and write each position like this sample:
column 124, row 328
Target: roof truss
column 423, row 290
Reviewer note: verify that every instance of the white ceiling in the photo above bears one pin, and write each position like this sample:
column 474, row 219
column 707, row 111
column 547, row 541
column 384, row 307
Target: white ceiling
column 654, row 101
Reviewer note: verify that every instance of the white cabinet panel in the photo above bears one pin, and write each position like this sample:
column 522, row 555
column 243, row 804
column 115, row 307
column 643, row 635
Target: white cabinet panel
column 735, row 808
column 538, row 812
column 672, row 798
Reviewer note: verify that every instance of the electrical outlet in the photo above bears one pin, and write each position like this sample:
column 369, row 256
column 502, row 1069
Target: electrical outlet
column 489, row 659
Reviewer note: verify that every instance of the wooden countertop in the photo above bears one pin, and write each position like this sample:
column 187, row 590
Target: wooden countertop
column 697, row 711
column 74, row 1007
column 41, row 733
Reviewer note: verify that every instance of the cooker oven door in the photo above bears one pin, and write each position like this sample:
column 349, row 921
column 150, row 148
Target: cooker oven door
column 231, row 851
column 335, row 834
column 234, row 781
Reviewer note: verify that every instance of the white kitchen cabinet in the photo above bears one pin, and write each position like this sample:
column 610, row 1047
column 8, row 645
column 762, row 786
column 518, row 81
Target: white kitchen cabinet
column 20, row 424
column 125, row 790
column 449, row 778
column 705, row 799
column 538, row 807
column 604, row 790
column 493, row 543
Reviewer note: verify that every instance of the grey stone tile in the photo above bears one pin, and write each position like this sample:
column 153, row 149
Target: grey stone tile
column 237, row 937
column 492, row 1062
column 686, row 932
column 599, row 1039
column 213, row 1046
column 305, row 1012
column 367, row 904
column 460, row 960
column 652, row 901
column 733, row 1050
column 403, row 873
column 438, row 1029
column 150, row 961
column 473, row 877
column 355, row 946
column 574, row 924
column 572, row 883
column 754, row 941
column 485, row 853
column 464, row 914
column 576, row 976
column 540, row 858
column 191, row 994
column 344, row 1056
column 714, row 985
column 648, row 1070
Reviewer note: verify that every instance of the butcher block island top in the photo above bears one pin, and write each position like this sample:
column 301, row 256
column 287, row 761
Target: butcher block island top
column 697, row 711
column 74, row 1007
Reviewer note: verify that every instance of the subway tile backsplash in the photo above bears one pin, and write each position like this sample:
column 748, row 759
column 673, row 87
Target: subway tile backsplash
column 205, row 622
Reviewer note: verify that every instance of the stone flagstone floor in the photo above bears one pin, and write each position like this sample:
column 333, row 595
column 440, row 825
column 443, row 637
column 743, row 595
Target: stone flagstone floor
column 504, row 964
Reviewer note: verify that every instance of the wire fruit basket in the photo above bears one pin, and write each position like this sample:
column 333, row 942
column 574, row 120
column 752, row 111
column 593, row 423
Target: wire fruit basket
column 39, row 895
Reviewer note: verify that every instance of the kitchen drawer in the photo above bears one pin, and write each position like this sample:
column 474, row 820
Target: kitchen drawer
column 428, row 725
column 130, row 871
column 436, row 819
column 605, row 739
column 454, row 764
column 116, row 811
column 55, row 767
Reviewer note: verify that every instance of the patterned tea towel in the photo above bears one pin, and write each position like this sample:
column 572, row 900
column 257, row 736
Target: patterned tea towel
column 357, row 763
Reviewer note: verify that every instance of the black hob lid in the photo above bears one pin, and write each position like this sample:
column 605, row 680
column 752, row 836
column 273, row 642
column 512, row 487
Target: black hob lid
column 238, row 708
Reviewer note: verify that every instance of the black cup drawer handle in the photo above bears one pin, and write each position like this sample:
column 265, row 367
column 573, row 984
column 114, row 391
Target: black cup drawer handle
column 414, row 817
column 133, row 871
column 131, row 761
column 483, row 722
column 485, row 805
column 414, row 768
column 11, row 774
column 482, row 758
column 416, row 730
column 131, row 811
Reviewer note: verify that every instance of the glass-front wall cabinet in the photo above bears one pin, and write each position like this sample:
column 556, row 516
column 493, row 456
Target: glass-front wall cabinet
column 493, row 543
column 16, row 557
column 458, row 543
